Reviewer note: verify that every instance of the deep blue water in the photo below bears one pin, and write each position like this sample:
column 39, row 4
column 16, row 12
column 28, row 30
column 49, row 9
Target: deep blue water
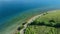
column 11, row 8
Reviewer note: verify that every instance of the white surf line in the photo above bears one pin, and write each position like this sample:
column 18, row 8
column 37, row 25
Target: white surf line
column 28, row 22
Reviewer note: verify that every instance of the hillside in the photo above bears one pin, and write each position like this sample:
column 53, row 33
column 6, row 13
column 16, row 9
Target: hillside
column 48, row 23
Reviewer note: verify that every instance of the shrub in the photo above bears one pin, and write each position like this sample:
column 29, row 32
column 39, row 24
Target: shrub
column 19, row 28
column 18, row 32
column 24, row 23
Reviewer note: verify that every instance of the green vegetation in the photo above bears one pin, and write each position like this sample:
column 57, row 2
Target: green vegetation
column 18, row 32
column 19, row 28
column 34, row 29
column 52, row 18
column 24, row 23
column 48, row 23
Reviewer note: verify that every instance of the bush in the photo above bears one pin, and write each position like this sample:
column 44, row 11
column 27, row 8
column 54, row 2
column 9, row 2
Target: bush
column 19, row 28
column 18, row 32
column 24, row 23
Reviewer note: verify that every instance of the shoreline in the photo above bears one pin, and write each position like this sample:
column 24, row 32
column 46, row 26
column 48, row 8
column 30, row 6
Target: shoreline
column 28, row 22
column 32, row 19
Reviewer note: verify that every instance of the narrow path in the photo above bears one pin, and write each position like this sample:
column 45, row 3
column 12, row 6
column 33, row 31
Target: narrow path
column 30, row 21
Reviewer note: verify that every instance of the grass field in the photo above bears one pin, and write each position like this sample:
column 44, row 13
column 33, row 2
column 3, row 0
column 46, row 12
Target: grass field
column 48, row 23
column 34, row 29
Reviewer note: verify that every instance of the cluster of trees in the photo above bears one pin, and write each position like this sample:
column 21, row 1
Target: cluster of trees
column 51, row 23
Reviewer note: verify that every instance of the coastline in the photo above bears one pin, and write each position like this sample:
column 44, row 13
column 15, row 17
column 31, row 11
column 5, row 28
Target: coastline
column 32, row 19
column 28, row 22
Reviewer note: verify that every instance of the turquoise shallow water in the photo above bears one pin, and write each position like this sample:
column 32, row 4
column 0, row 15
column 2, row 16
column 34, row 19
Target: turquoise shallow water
column 13, row 13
